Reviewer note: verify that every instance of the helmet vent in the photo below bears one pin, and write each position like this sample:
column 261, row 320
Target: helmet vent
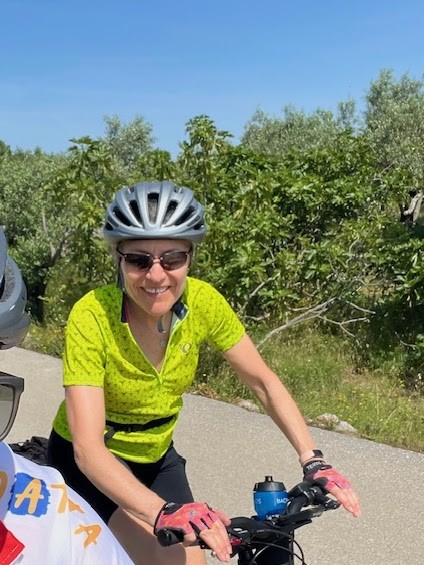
column 172, row 206
column 153, row 204
column 136, row 211
column 120, row 216
column 186, row 216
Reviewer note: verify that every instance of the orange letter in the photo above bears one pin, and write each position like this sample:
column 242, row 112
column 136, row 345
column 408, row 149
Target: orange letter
column 93, row 531
column 3, row 482
column 33, row 492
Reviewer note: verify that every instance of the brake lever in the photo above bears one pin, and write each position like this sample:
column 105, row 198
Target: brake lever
column 326, row 501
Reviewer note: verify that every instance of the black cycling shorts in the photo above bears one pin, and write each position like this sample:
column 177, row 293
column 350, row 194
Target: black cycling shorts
column 167, row 477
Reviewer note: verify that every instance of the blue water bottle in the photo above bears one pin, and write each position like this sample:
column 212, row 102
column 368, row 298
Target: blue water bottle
column 269, row 497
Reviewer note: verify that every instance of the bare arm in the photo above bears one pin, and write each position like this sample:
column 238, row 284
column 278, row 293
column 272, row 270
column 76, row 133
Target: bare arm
column 86, row 417
column 267, row 387
column 277, row 401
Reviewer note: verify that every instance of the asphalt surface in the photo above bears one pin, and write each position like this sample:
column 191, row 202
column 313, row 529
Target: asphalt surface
column 229, row 449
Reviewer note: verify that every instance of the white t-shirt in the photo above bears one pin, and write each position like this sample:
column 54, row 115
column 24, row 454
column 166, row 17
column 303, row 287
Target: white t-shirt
column 55, row 525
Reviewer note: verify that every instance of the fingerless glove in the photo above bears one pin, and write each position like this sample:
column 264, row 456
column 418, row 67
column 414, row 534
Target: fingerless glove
column 320, row 473
column 186, row 518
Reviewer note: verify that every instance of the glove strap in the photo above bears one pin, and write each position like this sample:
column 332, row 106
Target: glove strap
column 315, row 465
column 311, row 454
column 167, row 508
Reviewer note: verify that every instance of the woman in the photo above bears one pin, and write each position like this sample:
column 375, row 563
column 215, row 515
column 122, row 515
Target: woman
column 131, row 351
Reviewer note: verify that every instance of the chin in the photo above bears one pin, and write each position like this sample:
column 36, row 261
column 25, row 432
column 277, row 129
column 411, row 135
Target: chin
column 159, row 309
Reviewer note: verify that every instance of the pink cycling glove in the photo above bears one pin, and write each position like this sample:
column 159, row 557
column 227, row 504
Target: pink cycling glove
column 186, row 518
column 320, row 473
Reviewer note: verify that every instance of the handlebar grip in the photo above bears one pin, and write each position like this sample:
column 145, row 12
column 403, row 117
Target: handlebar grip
column 169, row 536
column 296, row 504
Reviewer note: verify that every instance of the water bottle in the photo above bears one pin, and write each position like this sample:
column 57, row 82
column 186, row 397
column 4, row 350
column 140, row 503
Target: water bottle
column 269, row 497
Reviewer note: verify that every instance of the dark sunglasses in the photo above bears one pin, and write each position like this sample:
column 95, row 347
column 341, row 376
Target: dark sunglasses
column 11, row 388
column 170, row 260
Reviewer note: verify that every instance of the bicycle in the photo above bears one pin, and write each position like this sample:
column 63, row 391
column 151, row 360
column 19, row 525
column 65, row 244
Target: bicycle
column 270, row 541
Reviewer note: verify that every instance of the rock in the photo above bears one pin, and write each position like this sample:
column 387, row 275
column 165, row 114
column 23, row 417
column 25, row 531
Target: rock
column 345, row 428
column 332, row 422
column 248, row 405
column 329, row 421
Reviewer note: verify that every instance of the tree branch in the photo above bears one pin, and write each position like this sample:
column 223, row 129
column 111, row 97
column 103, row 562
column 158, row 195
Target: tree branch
column 309, row 314
column 318, row 312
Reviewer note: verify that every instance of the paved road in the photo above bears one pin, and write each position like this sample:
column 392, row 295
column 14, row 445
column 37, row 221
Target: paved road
column 229, row 449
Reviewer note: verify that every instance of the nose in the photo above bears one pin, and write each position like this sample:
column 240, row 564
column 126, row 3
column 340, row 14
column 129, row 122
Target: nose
column 156, row 271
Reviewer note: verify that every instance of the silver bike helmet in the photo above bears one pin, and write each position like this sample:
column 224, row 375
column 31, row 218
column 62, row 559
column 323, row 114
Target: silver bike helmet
column 154, row 210
column 14, row 321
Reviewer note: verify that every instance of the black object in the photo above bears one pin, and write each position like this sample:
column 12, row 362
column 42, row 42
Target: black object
column 34, row 449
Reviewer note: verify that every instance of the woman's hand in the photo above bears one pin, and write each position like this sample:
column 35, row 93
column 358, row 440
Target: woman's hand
column 319, row 473
column 197, row 520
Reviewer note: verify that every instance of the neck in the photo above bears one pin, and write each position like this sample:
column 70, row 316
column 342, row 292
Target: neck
column 157, row 322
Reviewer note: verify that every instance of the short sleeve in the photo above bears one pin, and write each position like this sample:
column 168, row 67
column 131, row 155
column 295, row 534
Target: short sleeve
column 222, row 327
column 84, row 355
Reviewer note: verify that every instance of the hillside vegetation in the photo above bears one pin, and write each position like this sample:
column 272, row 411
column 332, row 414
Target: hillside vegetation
column 315, row 236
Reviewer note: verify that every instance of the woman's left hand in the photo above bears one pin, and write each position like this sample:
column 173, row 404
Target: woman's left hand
column 320, row 473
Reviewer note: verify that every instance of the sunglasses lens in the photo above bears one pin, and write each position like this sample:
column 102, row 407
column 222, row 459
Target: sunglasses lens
column 174, row 260
column 169, row 261
column 6, row 407
column 141, row 261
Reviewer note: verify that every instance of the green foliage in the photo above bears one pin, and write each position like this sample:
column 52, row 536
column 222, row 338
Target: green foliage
column 280, row 231
column 296, row 130
column 29, row 218
column 127, row 142
column 200, row 154
column 155, row 164
column 394, row 119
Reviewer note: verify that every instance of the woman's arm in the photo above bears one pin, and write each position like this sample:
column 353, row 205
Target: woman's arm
column 86, row 418
column 267, row 387
column 278, row 403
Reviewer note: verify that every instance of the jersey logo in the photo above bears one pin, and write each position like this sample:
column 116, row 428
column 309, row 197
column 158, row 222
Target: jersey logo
column 185, row 348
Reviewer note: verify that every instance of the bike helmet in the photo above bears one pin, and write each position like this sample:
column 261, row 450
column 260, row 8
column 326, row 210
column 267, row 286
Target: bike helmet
column 14, row 321
column 154, row 210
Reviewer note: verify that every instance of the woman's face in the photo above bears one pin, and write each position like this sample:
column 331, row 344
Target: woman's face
column 154, row 290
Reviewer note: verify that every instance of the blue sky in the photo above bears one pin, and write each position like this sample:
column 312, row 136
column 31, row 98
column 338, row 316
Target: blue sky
column 65, row 64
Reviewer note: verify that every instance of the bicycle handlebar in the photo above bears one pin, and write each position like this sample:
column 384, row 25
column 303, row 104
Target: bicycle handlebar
column 305, row 502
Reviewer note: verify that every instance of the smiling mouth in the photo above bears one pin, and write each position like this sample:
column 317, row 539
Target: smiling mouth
column 156, row 290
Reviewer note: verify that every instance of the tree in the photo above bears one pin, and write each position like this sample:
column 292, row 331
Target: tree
column 394, row 120
column 127, row 142
column 52, row 208
column 4, row 149
column 155, row 164
column 200, row 154
column 297, row 130
column 29, row 217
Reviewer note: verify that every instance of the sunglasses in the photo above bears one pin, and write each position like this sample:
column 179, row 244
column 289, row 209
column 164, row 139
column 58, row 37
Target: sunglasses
column 11, row 388
column 170, row 260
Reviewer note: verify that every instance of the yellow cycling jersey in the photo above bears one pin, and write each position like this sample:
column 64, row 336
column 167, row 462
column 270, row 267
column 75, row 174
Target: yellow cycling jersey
column 101, row 351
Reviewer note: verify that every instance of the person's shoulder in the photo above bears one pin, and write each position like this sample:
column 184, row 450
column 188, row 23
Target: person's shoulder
column 99, row 298
column 195, row 286
column 198, row 290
